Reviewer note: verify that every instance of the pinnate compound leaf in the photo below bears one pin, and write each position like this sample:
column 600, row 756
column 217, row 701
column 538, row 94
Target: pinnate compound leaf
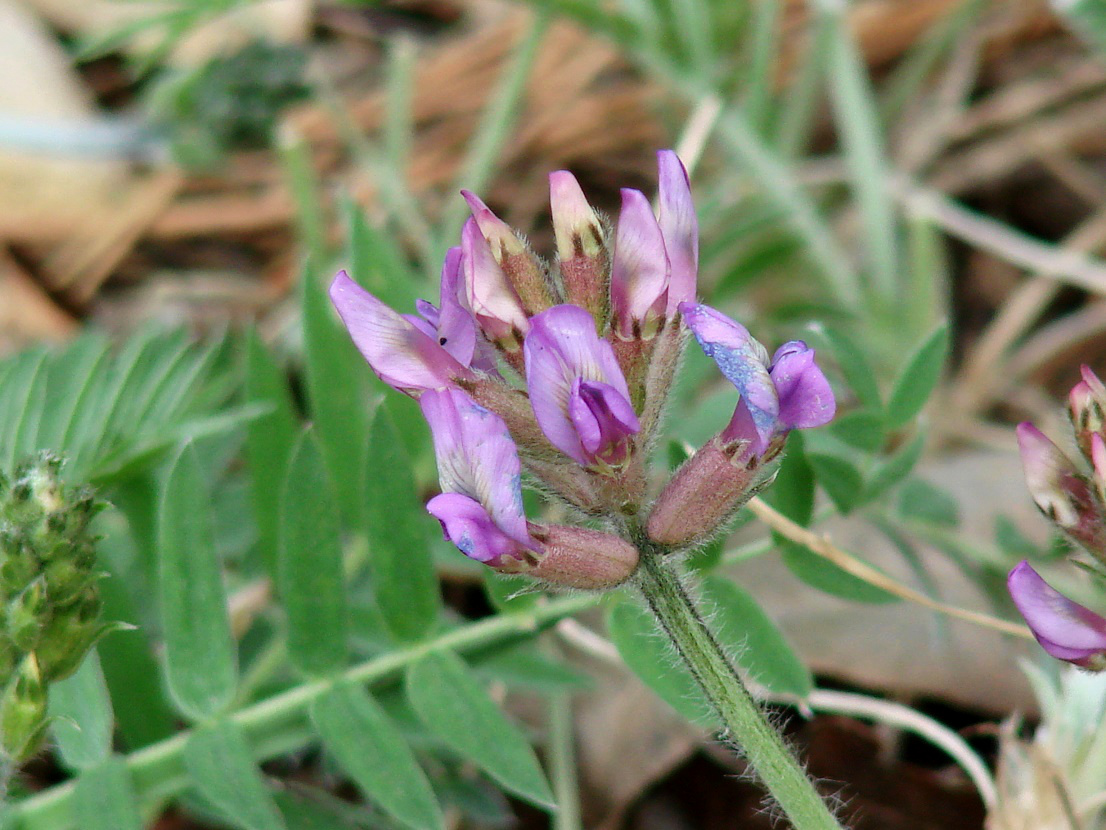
column 103, row 798
column 224, row 773
column 200, row 660
column 310, row 575
column 453, row 705
column 369, row 747
column 399, row 530
column 918, row 379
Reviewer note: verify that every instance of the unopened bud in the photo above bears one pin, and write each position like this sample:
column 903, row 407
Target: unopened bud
column 578, row 557
column 522, row 268
column 1087, row 409
column 583, row 254
column 25, row 614
column 1061, row 492
column 23, row 711
column 68, row 635
column 706, row 492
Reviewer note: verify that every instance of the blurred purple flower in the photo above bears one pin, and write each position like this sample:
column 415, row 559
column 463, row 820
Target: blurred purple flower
column 577, row 390
column 1065, row 629
column 1061, row 491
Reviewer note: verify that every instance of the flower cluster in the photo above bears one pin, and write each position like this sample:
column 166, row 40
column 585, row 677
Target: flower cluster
column 563, row 370
column 1073, row 496
column 49, row 604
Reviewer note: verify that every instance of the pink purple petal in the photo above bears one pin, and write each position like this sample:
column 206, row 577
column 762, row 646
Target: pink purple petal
column 476, row 457
column 561, row 348
column 1065, row 629
column 639, row 270
column 490, row 296
column 403, row 356
column 743, row 361
column 468, row 525
column 806, row 399
column 603, row 419
column 679, row 227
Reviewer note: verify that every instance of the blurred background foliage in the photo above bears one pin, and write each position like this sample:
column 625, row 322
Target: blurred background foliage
column 917, row 187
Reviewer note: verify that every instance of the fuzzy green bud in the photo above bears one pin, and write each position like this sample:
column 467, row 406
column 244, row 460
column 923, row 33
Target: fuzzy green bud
column 23, row 711
column 49, row 606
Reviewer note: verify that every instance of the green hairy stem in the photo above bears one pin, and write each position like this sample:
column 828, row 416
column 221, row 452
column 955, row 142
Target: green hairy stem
column 746, row 726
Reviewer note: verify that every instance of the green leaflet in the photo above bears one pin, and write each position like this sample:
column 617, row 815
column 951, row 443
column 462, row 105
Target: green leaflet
column 200, row 660
column 309, row 565
column 454, row 706
column 224, row 773
column 372, row 750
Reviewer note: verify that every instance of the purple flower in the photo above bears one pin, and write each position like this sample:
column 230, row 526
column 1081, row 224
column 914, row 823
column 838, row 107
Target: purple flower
column 679, row 227
column 493, row 301
column 405, row 354
column 788, row 392
column 1065, row 629
column 450, row 322
column 656, row 258
column 480, row 508
column 577, row 390
column 583, row 259
column 1061, row 491
column 1087, row 408
column 522, row 270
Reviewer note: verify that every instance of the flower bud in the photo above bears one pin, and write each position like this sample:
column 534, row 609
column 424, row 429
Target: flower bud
column 583, row 253
column 579, row 557
column 23, row 711
column 523, row 270
column 25, row 614
column 1061, row 492
column 706, row 492
column 1087, row 409
column 68, row 635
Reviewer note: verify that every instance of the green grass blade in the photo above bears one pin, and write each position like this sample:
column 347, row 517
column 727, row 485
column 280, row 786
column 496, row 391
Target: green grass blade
column 860, row 135
column 269, row 442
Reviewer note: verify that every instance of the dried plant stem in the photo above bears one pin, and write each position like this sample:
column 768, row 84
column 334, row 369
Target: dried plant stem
column 746, row 726
column 862, row 570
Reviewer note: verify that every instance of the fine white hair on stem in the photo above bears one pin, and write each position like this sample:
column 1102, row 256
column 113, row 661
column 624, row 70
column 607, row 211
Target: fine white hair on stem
column 861, row 706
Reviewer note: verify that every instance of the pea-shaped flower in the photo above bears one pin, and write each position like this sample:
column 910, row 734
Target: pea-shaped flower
column 480, row 508
column 577, row 389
